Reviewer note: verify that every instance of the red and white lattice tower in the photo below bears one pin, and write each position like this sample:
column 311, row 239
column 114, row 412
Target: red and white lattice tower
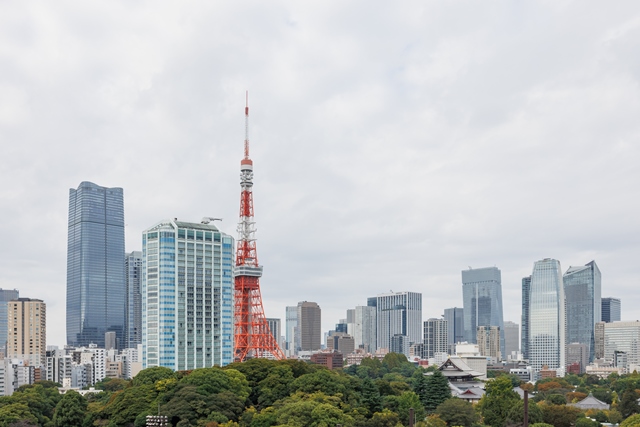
column 253, row 337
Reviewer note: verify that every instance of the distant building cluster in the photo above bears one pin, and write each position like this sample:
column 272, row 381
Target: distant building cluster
column 171, row 304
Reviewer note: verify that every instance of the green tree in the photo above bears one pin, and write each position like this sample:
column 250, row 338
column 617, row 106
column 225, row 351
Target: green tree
column 541, row 425
column 516, row 413
column 457, row 412
column 497, row 401
column 629, row 402
column 323, row 380
column 274, row 386
column 433, row 390
column 632, row 421
column 586, row 422
column 70, row 411
column 16, row 412
column 151, row 375
column 560, row 415
column 556, row 399
column 406, row 401
column 126, row 405
column 215, row 380
column 386, row 418
column 370, row 396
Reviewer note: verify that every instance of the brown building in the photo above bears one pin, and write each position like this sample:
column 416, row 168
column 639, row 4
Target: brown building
column 309, row 325
column 341, row 342
column 329, row 359
column 27, row 331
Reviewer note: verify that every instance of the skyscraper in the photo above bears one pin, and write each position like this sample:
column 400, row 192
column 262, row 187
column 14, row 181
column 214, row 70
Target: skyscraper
column 291, row 324
column 583, row 305
column 610, row 309
column 623, row 337
column 482, row 299
column 455, row 327
column 6, row 295
column 526, row 290
column 364, row 333
column 511, row 338
column 488, row 338
column 274, row 327
column 95, row 265
column 187, row 296
column 435, row 339
column 27, row 338
column 399, row 313
column 547, row 317
column 133, row 303
column 309, row 326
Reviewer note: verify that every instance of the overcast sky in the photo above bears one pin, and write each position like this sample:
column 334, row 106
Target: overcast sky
column 394, row 144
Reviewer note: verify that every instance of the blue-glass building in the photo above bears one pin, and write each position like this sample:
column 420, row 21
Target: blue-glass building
column 582, row 293
column 482, row 301
column 611, row 309
column 455, row 327
column 547, row 317
column 187, row 296
column 95, row 265
column 6, row 295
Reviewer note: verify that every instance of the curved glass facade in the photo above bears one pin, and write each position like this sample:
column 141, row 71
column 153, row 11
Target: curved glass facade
column 582, row 290
column 482, row 301
column 547, row 317
column 95, row 265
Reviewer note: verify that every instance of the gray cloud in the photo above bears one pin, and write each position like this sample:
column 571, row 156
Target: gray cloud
column 393, row 145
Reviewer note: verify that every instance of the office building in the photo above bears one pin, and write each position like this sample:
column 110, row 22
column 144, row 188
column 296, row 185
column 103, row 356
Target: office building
column 95, row 265
column 511, row 338
column 436, row 339
column 482, row 301
column 341, row 342
column 187, row 296
column 399, row 313
column 291, row 325
column 6, row 295
column 582, row 304
column 400, row 344
column 309, row 326
column 547, row 318
column 365, row 328
column 488, row 338
column 133, row 302
column 274, row 327
column 578, row 354
column 455, row 327
column 27, row 331
column 611, row 310
column 524, row 337
column 599, row 340
column 623, row 337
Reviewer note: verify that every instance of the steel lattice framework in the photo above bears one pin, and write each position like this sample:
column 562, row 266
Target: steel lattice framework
column 253, row 337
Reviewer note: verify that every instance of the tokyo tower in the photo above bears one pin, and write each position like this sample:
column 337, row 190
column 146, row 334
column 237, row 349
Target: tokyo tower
column 253, row 337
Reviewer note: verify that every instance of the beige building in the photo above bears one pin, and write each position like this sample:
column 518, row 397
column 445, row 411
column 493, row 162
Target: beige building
column 27, row 331
column 488, row 338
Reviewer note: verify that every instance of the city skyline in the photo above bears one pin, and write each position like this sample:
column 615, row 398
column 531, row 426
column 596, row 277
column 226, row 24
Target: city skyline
column 393, row 150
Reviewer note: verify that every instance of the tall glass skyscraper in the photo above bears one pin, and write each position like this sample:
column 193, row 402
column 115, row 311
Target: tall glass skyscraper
column 611, row 309
column 482, row 301
column 455, row 327
column 95, row 265
column 187, row 296
column 399, row 313
column 547, row 317
column 583, row 304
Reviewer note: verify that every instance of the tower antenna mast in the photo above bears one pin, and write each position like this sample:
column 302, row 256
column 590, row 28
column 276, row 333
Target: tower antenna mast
column 252, row 335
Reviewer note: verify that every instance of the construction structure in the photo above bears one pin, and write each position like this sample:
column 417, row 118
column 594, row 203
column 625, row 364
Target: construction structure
column 252, row 338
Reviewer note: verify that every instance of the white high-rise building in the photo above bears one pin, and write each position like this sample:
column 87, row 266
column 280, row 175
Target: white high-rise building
column 623, row 337
column 364, row 328
column 547, row 317
column 187, row 296
column 399, row 313
column 436, row 338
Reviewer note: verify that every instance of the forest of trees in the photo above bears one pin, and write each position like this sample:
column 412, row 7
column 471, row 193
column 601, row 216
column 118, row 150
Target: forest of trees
column 264, row 393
